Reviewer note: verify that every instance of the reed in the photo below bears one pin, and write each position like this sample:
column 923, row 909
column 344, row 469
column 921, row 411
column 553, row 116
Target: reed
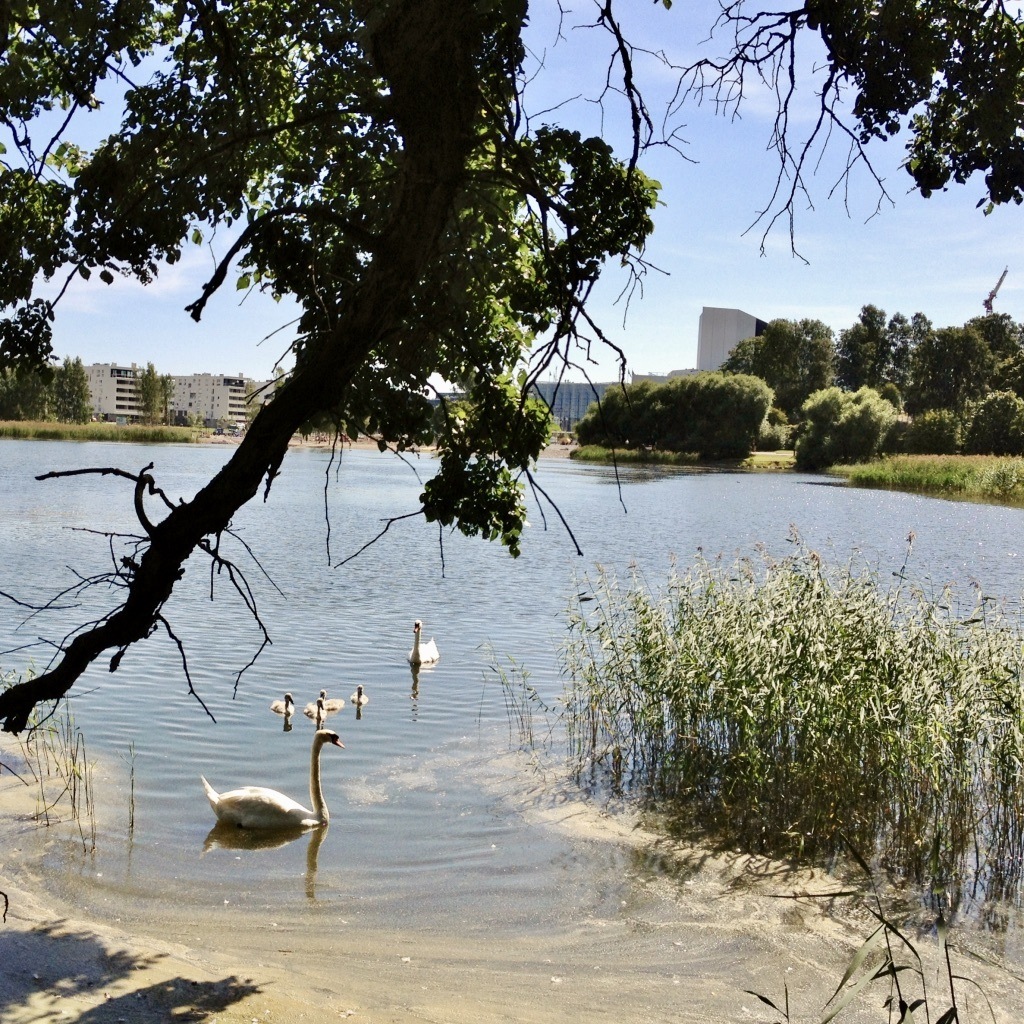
column 780, row 704
column 628, row 456
column 983, row 476
column 25, row 430
column 54, row 751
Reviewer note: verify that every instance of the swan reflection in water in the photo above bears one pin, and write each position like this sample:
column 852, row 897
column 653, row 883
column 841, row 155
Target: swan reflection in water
column 230, row 837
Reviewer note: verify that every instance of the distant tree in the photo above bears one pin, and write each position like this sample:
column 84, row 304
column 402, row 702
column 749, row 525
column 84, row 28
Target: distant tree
column 1004, row 336
column 864, row 353
column 165, row 391
column 155, row 391
column 147, row 388
column 904, row 337
column 949, row 368
column 793, row 357
column 997, row 426
column 840, row 427
column 713, row 415
column 935, row 432
column 1009, row 375
column 72, row 400
column 24, row 394
column 622, row 418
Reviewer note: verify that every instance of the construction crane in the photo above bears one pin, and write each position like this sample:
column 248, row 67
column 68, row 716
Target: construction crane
column 992, row 294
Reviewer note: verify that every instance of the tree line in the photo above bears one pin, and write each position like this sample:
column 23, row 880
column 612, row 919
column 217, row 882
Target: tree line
column 61, row 393
column 887, row 384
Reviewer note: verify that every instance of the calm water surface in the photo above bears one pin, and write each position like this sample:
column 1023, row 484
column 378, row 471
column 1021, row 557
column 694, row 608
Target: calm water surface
column 426, row 800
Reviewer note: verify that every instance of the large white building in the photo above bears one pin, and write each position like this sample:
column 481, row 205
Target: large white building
column 719, row 332
column 208, row 398
column 113, row 391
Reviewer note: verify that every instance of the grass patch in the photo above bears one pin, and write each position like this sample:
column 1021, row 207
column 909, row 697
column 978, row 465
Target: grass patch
column 650, row 456
column 28, row 430
column 980, row 476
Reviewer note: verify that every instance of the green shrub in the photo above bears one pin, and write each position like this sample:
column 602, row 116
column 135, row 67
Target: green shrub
column 935, row 432
column 840, row 427
column 997, row 426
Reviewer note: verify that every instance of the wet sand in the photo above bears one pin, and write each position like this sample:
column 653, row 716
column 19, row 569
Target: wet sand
column 696, row 934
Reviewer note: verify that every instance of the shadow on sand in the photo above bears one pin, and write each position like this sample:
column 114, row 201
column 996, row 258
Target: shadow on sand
column 57, row 963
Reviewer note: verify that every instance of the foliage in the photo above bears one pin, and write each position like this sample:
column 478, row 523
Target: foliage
column 714, row 415
column 24, row 394
column 842, row 427
column 997, row 426
column 934, row 432
column 72, row 402
column 863, row 352
column 950, row 367
column 793, row 357
column 786, row 706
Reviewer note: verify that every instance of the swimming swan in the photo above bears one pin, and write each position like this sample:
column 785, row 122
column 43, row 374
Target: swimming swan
column 359, row 698
column 329, row 706
column 284, row 707
column 258, row 807
column 422, row 653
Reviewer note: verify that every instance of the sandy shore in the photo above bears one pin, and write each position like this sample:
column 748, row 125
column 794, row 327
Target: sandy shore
column 696, row 936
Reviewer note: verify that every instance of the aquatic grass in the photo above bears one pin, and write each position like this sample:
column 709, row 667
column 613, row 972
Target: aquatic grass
column 48, row 431
column 54, row 751
column 983, row 476
column 624, row 456
column 778, row 704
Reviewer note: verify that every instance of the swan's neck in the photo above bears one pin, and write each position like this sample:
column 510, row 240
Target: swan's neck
column 316, row 793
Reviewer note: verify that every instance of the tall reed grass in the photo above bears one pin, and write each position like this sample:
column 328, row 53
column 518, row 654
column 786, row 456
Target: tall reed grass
column 778, row 704
column 45, row 431
column 982, row 476
column 54, row 755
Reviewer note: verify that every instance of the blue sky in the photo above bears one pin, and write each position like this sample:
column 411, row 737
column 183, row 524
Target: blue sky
column 939, row 256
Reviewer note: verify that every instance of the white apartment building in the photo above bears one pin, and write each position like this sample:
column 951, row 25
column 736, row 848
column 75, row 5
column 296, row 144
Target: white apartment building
column 210, row 398
column 113, row 392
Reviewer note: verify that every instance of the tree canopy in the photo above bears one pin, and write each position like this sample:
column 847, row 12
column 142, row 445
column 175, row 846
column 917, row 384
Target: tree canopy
column 373, row 161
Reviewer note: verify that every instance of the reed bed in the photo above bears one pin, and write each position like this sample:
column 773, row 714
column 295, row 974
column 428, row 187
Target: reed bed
column 982, row 476
column 45, row 431
column 627, row 456
column 780, row 705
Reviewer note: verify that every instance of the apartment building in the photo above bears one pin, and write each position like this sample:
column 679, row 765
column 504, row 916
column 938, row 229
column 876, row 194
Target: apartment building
column 113, row 391
column 210, row 398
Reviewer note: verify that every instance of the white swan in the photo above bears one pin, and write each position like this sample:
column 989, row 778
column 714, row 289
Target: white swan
column 359, row 698
column 258, row 807
column 329, row 706
column 284, row 707
column 423, row 652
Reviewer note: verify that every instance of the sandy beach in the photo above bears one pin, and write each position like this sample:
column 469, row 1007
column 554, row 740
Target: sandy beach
column 686, row 951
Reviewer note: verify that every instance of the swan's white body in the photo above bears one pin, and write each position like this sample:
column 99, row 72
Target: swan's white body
column 359, row 698
column 424, row 652
column 329, row 707
column 259, row 807
column 284, row 707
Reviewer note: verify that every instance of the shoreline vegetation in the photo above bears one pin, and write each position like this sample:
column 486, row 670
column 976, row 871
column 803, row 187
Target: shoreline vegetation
column 795, row 710
column 984, row 477
column 778, row 461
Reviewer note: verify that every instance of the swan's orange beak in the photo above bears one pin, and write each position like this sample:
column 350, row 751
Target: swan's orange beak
column 338, row 743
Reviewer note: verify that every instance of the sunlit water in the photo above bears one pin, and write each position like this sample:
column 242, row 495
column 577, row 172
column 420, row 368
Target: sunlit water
column 428, row 797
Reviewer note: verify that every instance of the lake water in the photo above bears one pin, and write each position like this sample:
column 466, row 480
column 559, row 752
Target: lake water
column 437, row 821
